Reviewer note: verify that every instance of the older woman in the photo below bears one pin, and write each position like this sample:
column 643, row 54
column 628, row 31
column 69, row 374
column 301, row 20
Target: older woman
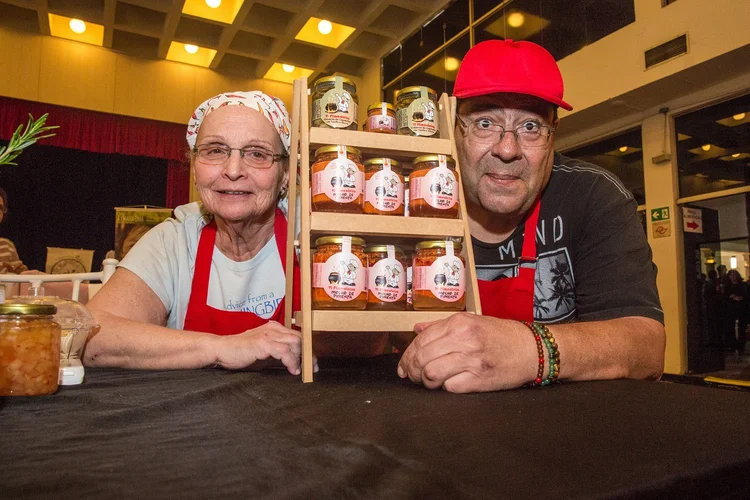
column 207, row 288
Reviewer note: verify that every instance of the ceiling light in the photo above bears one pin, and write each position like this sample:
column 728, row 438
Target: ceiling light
column 288, row 67
column 706, row 147
column 77, row 26
column 733, row 262
column 736, row 155
column 325, row 27
column 191, row 49
column 451, row 64
column 710, row 260
column 213, row 3
column 739, row 116
column 623, row 149
column 516, row 20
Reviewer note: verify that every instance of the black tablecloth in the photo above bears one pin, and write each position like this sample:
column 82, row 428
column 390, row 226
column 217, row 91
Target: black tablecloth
column 361, row 432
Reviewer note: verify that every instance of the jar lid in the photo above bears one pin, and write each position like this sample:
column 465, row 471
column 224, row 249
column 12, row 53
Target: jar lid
column 417, row 89
column 22, row 309
column 379, row 105
column 425, row 158
column 382, row 249
column 424, row 245
column 335, row 149
column 332, row 79
column 380, row 161
column 338, row 240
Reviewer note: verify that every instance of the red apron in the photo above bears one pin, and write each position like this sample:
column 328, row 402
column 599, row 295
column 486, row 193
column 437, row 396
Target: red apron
column 513, row 298
column 201, row 317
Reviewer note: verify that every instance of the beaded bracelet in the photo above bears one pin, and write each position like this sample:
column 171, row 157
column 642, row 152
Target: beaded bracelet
column 542, row 333
column 540, row 351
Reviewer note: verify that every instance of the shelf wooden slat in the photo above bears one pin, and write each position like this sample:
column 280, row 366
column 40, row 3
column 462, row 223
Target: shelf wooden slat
column 370, row 321
column 369, row 225
column 400, row 147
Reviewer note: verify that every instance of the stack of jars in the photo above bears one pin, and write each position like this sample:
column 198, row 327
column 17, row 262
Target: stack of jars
column 343, row 183
column 347, row 274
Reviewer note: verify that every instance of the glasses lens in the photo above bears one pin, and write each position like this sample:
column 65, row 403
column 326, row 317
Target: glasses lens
column 213, row 154
column 257, row 158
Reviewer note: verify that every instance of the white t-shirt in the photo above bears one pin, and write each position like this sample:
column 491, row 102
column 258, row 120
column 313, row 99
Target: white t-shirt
column 164, row 258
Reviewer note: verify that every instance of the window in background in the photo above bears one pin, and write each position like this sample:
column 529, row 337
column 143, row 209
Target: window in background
column 713, row 147
column 622, row 155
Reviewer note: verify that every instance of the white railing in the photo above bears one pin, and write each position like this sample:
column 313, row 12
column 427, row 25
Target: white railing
column 37, row 280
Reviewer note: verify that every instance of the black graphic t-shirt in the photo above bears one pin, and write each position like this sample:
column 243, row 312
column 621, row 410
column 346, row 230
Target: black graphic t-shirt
column 594, row 262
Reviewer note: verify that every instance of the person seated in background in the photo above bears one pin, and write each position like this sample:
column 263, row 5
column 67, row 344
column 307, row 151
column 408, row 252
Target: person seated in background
column 10, row 263
column 555, row 241
column 208, row 287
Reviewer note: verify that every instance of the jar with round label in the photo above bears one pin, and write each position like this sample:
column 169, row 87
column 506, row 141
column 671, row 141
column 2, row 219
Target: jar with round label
column 384, row 187
column 381, row 118
column 339, row 273
column 334, row 103
column 433, row 187
column 438, row 277
column 29, row 350
column 386, row 278
column 338, row 180
column 417, row 112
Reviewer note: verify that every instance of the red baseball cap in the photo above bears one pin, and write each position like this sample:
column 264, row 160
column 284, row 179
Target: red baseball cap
column 507, row 66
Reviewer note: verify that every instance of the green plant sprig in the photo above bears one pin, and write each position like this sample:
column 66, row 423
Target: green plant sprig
column 21, row 141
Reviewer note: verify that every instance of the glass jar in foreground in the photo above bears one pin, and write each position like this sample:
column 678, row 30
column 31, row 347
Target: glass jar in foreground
column 338, row 180
column 384, row 187
column 381, row 118
column 433, row 187
column 438, row 277
column 334, row 103
column 29, row 350
column 386, row 278
column 417, row 112
column 339, row 277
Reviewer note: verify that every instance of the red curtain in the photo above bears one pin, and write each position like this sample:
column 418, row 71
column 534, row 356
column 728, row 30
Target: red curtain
column 107, row 133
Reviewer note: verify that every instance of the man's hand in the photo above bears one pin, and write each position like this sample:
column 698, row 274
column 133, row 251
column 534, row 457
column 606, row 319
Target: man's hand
column 469, row 353
column 269, row 341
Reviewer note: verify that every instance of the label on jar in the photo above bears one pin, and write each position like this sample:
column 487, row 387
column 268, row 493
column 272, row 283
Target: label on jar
column 381, row 122
column 408, row 285
column 420, row 116
column 342, row 276
column 444, row 278
column 386, row 278
column 341, row 180
column 336, row 108
column 384, row 190
column 437, row 187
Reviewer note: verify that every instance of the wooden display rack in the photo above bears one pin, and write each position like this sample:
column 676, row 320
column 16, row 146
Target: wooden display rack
column 376, row 229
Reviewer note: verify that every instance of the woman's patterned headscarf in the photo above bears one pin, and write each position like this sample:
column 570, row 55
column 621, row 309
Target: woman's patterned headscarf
column 270, row 107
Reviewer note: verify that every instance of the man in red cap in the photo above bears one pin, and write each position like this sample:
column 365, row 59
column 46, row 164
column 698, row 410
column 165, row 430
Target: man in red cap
column 567, row 285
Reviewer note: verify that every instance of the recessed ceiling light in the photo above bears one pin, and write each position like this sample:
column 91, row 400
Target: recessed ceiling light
column 325, row 27
column 213, row 3
column 623, row 149
column 736, row 155
column 191, row 49
column 451, row 64
column 739, row 116
column 77, row 26
column 516, row 20
column 287, row 67
column 706, row 147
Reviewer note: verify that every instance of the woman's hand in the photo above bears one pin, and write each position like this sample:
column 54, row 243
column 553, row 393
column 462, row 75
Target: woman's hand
column 269, row 341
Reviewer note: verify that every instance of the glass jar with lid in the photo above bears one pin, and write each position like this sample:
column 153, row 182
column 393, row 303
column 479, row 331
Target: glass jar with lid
column 438, row 276
column 29, row 350
column 338, row 180
column 381, row 118
column 433, row 187
column 417, row 112
column 339, row 274
column 334, row 103
column 386, row 278
column 384, row 187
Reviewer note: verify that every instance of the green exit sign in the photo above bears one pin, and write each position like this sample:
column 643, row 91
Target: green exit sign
column 658, row 214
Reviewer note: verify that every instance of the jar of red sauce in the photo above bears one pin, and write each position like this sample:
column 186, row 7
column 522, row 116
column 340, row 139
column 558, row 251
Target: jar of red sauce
column 438, row 276
column 339, row 277
column 381, row 118
column 384, row 187
column 433, row 187
column 386, row 278
column 338, row 180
